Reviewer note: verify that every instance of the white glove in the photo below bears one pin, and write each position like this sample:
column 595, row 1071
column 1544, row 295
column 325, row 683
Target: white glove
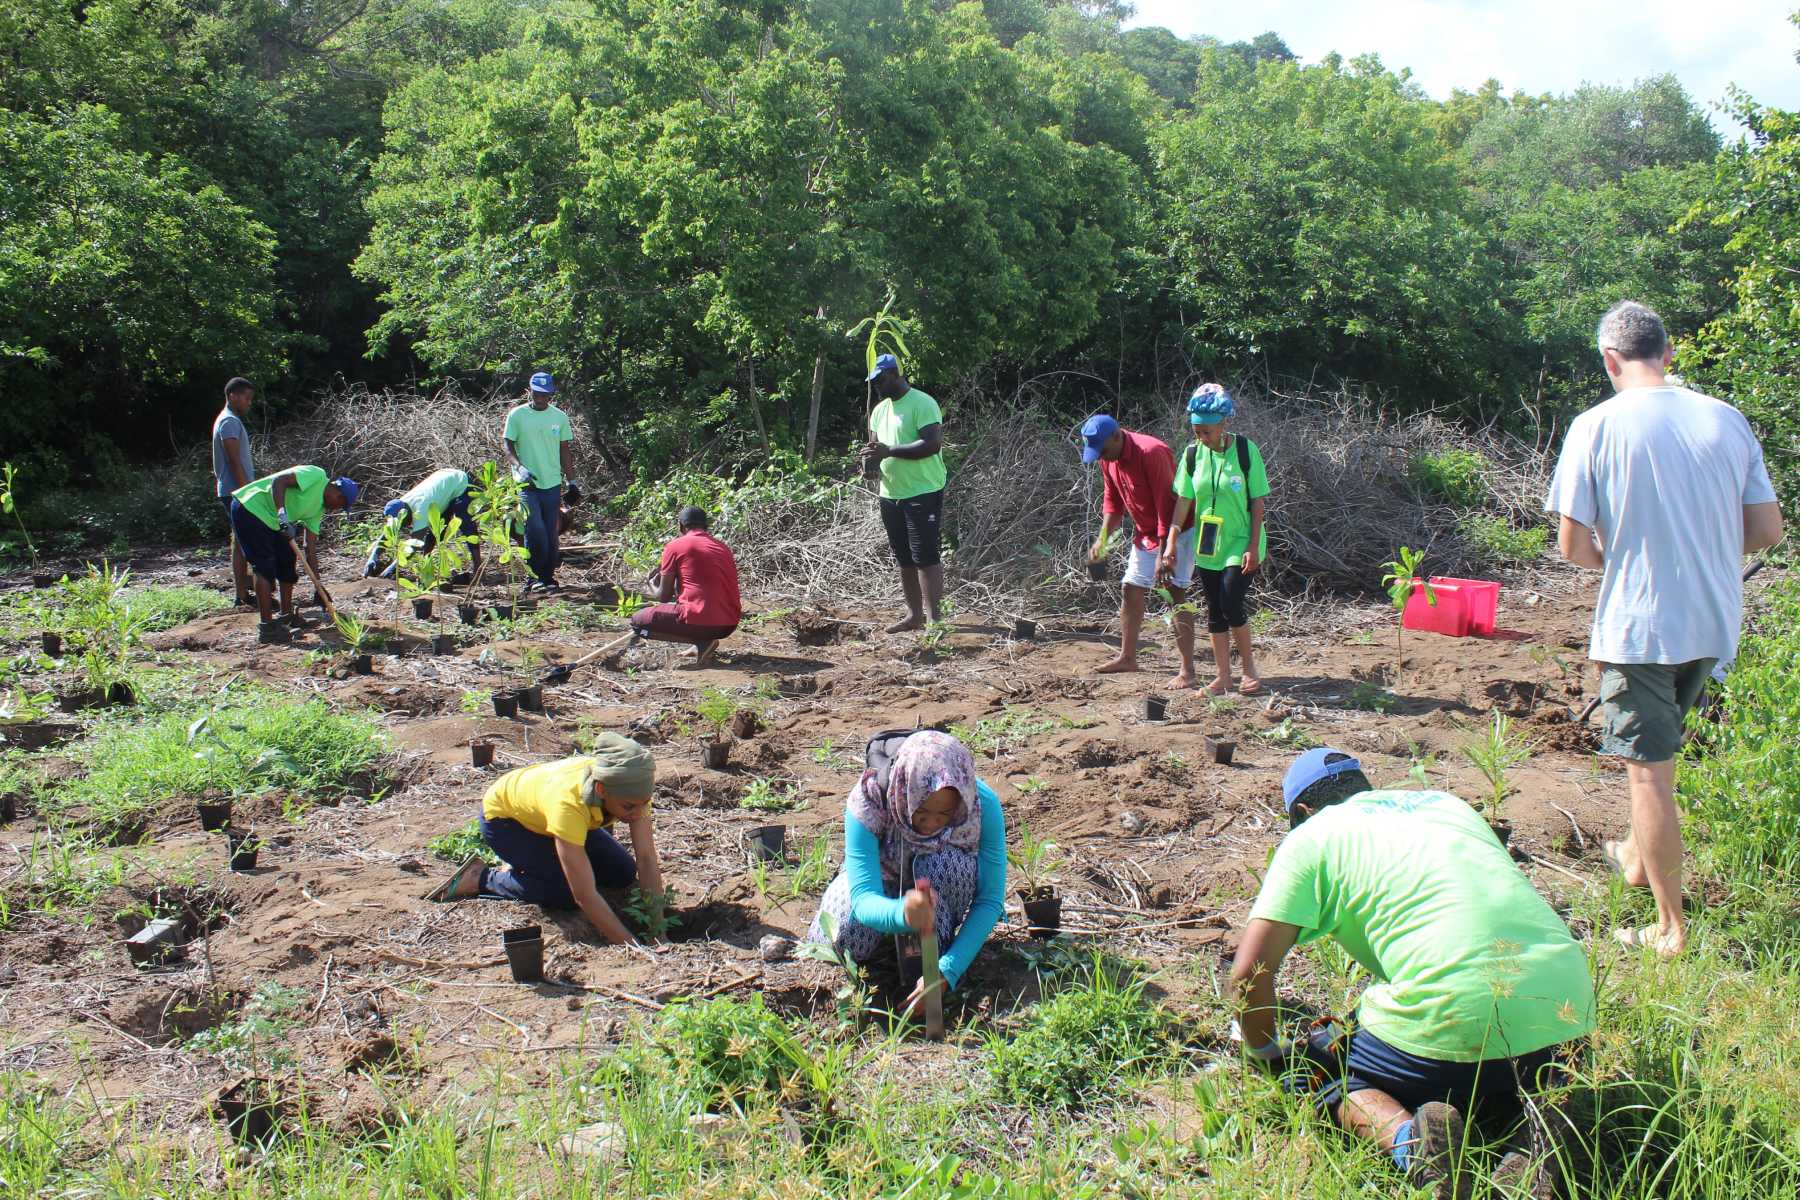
column 522, row 474
column 287, row 530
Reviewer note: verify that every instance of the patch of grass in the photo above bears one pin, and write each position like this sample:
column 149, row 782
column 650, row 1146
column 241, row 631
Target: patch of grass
column 160, row 607
column 767, row 795
column 723, row 1051
column 999, row 735
column 828, row 755
column 1369, row 697
column 459, row 844
column 306, row 748
column 813, row 874
column 1091, row 1041
column 1453, row 476
column 1499, row 542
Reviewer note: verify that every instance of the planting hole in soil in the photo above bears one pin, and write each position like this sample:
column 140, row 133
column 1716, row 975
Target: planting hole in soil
column 481, row 754
column 1024, row 630
column 241, row 847
column 52, row 644
column 1220, row 750
column 363, row 664
column 506, row 706
column 1156, row 708
column 765, row 843
column 524, row 948
column 422, row 608
column 714, row 755
column 214, row 814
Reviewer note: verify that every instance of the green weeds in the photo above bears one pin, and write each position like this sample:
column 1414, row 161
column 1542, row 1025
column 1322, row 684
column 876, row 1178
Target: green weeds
column 459, row 844
column 1498, row 542
column 1453, row 476
column 769, row 795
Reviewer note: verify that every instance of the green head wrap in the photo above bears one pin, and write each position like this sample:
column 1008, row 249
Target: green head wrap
column 621, row 767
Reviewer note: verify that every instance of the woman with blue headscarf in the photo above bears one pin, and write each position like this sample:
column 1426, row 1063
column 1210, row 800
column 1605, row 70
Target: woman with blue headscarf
column 1220, row 478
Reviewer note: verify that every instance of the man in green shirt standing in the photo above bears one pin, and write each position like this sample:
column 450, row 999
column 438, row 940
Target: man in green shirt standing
column 538, row 441
column 1477, row 981
column 906, row 440
column 263, row 515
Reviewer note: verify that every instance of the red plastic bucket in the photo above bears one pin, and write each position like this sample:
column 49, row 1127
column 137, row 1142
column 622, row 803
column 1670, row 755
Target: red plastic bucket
column 1481, row 597
column 1449, row 616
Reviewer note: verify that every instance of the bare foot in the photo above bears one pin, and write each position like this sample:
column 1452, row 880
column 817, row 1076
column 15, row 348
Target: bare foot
column 907, row 624
column 1220, row 686
column 703, row 653
column 1183, row 681
column 1118, row 666
column 1652, row 937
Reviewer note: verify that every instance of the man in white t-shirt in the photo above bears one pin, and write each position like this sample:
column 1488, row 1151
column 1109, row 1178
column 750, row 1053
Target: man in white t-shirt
column 1664, row 491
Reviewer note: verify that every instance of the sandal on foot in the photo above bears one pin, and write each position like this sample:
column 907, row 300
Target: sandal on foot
column 1642, row 938
column 1250, row 687
column 445, row 892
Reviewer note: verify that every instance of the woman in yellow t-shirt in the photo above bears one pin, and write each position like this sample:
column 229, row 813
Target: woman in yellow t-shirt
column 549, row 824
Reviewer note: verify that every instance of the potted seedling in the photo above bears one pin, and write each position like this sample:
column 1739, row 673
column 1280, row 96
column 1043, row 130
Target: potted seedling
column 1401, row 579
column 1033, row 858
column 9, row 502
column 249, row 776
column 1495, row 755
column 716, row 707
column 356, row 643
column 421, row 573
column 529, row 673
column 497, row 506
column 241, row 846
column 1096, row 565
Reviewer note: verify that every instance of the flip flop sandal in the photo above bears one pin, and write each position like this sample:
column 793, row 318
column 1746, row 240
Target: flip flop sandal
column 1639, row 938
column 1609, row 856
column 445, row 892
column 1250, row 687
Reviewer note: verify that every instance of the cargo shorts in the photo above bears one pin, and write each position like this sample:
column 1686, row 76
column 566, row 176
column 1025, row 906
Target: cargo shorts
column 1644, row 707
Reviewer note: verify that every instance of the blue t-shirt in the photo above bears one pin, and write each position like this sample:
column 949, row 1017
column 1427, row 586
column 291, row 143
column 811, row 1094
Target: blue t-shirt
column 229, row 425
column 874, row 908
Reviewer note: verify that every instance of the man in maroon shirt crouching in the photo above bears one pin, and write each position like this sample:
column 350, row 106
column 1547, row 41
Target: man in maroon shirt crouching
column 695, row 589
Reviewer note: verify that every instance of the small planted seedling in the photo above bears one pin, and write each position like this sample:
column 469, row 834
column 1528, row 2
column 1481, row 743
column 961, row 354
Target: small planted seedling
column 652, row 912
column 356, row 643
column 715, row 708
column 1495, row 755
column 1400, row 581
column 9, row 502
column 1033, row 858
column 853, row 998
column 766, row 795
column 476, row 699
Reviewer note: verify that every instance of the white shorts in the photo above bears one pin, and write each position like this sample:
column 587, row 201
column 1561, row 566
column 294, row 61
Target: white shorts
column 1140, row 569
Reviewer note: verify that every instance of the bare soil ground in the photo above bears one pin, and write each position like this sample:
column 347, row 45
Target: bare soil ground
column 1162, row 847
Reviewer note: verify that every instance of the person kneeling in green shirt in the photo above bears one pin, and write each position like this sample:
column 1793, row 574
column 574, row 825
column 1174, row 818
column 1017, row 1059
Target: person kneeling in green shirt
column 1477, row 981
column 264, row 516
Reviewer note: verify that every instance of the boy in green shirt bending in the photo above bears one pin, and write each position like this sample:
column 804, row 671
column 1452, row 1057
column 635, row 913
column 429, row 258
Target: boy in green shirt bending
column 1477, row 981
column 263, row 515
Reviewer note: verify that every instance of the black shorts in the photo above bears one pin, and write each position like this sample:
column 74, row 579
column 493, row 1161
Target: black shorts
column 914, row 528
column 1492, row 1086
column 270, row 555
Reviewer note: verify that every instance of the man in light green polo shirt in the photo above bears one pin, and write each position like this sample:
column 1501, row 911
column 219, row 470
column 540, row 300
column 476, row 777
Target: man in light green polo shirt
column 444, row 492
column 906, row 440
column 1477, row 981
column 538, row 441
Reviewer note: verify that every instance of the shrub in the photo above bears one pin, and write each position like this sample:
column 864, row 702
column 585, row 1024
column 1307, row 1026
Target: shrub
column 1499, row 542
column 725, row 1050
column 1084, row 1044
column 1454, row 476
column 783, row 481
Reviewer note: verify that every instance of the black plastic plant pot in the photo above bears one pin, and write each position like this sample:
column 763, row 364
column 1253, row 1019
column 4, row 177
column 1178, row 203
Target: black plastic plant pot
column 1024, row 630
column 531, row 698
column 43, row 581
column 503, row 612
column 363, row 664
column 1097, row 572
column 1156, row 708
column 241, row 848
column 250, row 1109
column 422, row 608
column 765, row 843
column 468, row 614
column 121, row 692
column 158, row 941
column 506, row 706
column 52, row 644
column 1503, row 830
column 214, row 814
column 714, row 755
column 443, row 643
column 1044, row 917
column 1221, row 750
column 481, row 754
column 9, row 809
column 524, row 948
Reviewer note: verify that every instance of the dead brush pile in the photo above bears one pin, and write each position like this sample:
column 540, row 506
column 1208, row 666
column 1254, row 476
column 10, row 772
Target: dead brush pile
column 1021, row 510
column 389, row 440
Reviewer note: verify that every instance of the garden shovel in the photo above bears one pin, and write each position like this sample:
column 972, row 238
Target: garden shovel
column 561, row 673
column 934, row 980
column 324, row 596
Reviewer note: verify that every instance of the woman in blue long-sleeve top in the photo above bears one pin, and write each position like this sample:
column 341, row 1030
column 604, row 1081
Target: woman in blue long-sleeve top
column 935, row 813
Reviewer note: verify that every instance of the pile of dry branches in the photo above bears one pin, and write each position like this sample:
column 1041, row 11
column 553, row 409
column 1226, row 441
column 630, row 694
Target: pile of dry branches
column 387, row 441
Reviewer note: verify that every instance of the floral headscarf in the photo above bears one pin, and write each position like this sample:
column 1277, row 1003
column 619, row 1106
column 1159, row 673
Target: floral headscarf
column 927, row 761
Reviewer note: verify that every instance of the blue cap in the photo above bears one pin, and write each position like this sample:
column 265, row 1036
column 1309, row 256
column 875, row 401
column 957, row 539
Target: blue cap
column 885, row 362
column 1311, row 767
column 1094, row 435
column 544, row 382
column 1209, row 405
column 394, row 508
column 347, row 485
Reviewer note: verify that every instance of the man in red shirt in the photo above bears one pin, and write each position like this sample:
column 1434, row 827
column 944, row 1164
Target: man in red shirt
column 695, row 589
column 1139, row 475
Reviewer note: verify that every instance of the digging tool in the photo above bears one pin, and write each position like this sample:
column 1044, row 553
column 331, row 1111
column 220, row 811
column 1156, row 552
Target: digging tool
column 933, row 979
column 324, row 596
column 561, row 673
column 1749, row 574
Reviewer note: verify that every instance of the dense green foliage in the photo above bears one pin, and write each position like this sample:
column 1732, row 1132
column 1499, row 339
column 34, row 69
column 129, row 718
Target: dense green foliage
column 683, row 207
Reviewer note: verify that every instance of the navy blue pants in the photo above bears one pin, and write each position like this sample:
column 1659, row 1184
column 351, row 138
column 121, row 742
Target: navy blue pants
column 537, row 875
column 1493, row 1085
column 543, row 517
column 269, row 553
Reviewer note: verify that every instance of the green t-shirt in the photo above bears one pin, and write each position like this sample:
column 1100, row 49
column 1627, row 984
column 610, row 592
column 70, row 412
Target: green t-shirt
column 895, row 423
column 1470, row 963
column 305, row 502
column 438, row 490
column 1218, row 486
column 537, row 439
